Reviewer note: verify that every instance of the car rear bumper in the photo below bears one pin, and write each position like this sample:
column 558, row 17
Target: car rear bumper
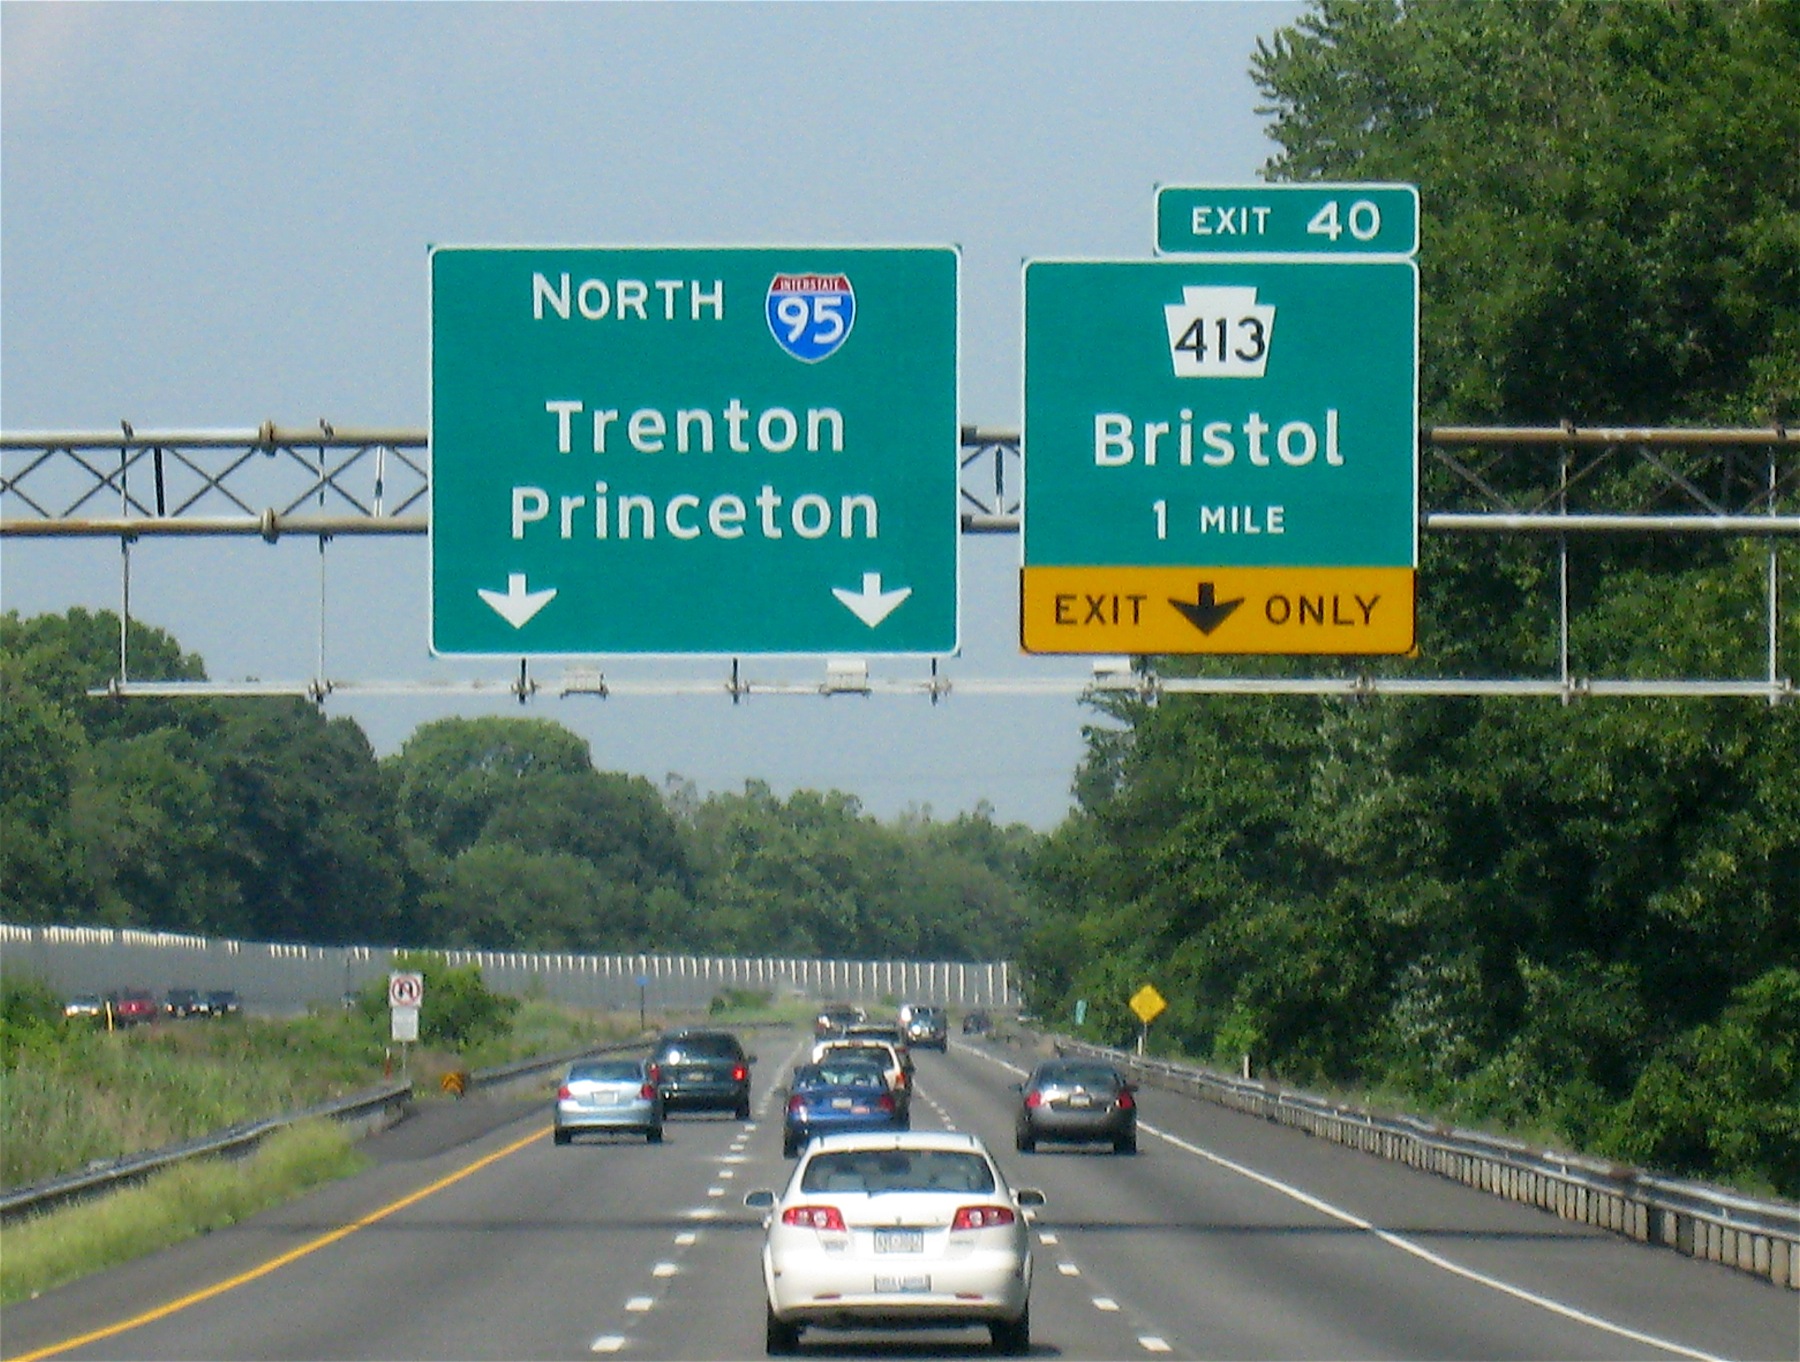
column 841, row 1293
column 639, row 1116
column 1078, row 1125
column 705, row 1097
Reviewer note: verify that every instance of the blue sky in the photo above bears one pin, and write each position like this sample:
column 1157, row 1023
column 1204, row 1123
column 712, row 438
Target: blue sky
column 216, row 215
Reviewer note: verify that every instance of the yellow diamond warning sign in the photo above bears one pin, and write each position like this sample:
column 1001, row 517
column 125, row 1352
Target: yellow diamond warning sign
column 1333, row 611
column 1148, row 1004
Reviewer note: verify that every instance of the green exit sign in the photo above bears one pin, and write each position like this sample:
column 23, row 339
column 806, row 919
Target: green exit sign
column 1288, row 219
column 694, row 450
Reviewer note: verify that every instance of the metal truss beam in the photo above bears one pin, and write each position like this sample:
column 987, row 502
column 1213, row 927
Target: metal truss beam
column 326, row 482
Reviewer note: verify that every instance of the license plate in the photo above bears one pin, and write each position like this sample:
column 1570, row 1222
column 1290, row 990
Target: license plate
column 1081, row 1099
column 914, row 1283
column 899, row 1241
column 605, row 1099
column 842, row 1104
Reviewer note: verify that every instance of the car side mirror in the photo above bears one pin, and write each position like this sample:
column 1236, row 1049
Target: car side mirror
column 1029, row 1196
column 760, row 1200
column 749, row 1059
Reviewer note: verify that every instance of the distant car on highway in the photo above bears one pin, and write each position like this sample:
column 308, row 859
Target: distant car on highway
column 893, row 1035
column 914, row 1230
column 833, row 1018
column 1077, row 1101
column 85, row 1007
column 605, row 1095
column 702, row 1070
column 221, row 1002
column 928, row 1029
column 843, row 1092
column 883, row 1053
column 133, row 1007
column 977, row 1023
column 182, row 1002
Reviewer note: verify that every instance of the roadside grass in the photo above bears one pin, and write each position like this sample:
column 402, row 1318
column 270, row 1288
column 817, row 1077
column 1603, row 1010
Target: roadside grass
column 82, row 1095
column 188, row 1200
column 71, row 1096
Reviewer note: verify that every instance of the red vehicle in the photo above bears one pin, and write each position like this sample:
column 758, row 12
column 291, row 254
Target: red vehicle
column 133, row 1007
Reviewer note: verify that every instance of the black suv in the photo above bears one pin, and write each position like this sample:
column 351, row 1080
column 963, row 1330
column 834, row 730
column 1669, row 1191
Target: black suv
column 702, row 1071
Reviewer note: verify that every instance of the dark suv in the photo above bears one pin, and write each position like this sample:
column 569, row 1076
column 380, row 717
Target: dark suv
column 702, row 1071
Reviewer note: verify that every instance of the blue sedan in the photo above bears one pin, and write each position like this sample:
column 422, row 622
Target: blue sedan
column 835, row 1096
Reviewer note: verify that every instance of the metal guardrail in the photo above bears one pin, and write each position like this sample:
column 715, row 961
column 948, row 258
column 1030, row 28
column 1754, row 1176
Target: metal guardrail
column 370, row 1111
column 367, row 1112
column 1747, row 1233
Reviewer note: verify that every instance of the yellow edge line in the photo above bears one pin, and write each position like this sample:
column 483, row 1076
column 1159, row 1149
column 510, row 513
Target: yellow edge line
column 324, row 1240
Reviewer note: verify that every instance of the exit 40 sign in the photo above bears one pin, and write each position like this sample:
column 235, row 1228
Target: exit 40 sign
column 684, row 450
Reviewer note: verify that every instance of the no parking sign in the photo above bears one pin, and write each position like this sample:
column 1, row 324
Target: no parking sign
column 405, row 992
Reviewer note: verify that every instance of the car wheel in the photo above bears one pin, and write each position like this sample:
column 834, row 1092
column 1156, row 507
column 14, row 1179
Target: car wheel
column 780, row 1339
column 789, row 1148
column 743, row 1110
column 562, row 1136
column 1025, row 1142
column 653, row 1135
column 1125, row 1144
column 1012, row 1337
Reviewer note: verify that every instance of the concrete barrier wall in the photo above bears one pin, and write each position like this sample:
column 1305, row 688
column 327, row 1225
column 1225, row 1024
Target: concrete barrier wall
column 283, row 979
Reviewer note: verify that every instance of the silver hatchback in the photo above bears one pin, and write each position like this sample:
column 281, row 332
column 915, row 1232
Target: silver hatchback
column 600, row 1095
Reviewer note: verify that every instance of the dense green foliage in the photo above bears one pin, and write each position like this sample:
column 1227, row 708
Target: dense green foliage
column 263, row 820
column 1579, row 920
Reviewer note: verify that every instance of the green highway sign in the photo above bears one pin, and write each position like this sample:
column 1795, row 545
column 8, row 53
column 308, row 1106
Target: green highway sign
column 1288, row 219
column 1256, row 416
column 694, row 450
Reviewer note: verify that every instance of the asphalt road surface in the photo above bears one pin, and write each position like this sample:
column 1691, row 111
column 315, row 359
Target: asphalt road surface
column 473, row 1236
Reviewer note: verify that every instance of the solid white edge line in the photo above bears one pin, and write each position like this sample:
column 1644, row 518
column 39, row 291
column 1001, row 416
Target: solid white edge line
column 1425, row 1255
column 1418, row 1251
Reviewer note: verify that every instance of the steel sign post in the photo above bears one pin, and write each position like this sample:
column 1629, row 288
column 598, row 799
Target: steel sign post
column 690, row 450
column 1220, row 456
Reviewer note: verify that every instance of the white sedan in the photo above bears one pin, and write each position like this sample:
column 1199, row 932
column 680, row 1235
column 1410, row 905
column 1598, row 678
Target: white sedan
column 909, row 1230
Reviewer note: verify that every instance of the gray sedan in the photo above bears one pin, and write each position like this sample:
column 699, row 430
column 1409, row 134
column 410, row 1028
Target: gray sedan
column 600, row 1095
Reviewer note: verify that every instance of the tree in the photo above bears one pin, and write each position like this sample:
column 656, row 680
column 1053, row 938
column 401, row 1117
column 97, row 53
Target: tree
column 1535, row 913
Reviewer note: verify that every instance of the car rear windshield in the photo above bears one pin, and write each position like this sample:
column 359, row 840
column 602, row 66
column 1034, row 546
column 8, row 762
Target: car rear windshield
column 703, row 1047
column 607, row 1071
column 897, row 1170
column 834, row 1073
column 1088, row 1075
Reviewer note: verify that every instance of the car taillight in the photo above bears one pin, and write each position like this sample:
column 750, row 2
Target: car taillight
column 982, row 1217
column 796, row 1103
column 562, row 1093
column 656, row 1073
column 1125, row 1102
column 885, row 1102
column 739, row 1073
column 648, row 1092
column 813, row 1217
column 1034, row 1098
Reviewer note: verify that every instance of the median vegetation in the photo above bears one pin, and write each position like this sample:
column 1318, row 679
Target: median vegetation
column 73, row 1094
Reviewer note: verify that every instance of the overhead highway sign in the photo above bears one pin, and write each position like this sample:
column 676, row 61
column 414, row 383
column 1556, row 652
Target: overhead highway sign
column 1213, row 430
column 690, row 450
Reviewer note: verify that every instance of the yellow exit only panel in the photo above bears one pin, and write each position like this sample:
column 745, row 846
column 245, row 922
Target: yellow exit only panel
column 1332, row 611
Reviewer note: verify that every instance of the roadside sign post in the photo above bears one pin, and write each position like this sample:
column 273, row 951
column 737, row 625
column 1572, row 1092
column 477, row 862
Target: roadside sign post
column 689, row 450
column 406, row 995
column 1221, row 450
